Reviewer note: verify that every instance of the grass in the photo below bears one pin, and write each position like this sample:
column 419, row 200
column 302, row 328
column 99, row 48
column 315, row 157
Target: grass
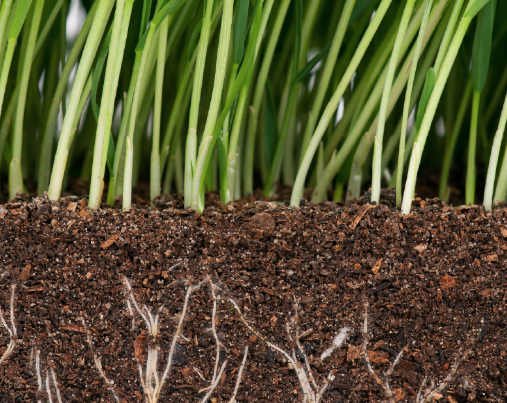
column 234, row 95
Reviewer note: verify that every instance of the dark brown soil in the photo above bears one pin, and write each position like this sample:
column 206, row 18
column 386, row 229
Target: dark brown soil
column 432, row 284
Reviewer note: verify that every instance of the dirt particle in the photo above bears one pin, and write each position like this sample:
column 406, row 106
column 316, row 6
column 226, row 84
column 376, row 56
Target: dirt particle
column 399, row 394
column 353, row 353
column 492, row 258
column 359, row 216
column 376, row 268
column 421, row 247
column 106, row 244
column 25, row 273
column 262, row 221
column 439, row 295
column 307, row 300
column 448, row 282
column 378, row 357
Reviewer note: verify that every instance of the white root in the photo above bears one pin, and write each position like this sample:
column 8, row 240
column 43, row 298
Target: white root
column 311, row 392
column 219, row 345
column 151, row 382
column 387, row 378
column 240, row 374
column 40, row 389
column 426, row 393
column 338, row 341
column 13, row 333
column 215, row 383
column 98, row 364
column 37, row 371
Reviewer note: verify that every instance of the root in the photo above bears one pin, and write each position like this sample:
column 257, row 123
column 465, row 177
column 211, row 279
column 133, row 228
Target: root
column 311, row 391
column 40, row 390
column 98, row 364
column 13, row 333
column 240, row 374
column 426, row 393
column 151, row 382
column 387, row 377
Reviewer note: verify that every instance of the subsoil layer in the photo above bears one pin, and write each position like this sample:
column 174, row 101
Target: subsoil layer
column 431, row 285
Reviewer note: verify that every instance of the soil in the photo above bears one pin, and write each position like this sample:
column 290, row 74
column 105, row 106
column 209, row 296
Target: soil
column 431, row 285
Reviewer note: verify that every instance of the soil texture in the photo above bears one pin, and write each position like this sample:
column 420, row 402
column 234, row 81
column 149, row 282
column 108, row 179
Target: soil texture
column 253, row 301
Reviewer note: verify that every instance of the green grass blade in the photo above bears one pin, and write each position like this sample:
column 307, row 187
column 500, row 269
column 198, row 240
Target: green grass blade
column 221, row 64
column 19, row 19
column 239, row 31
column 5, row 11
column 333, row 103
column 429, row 84
column 481, row 53
column 50, row 127
column 191, row 143
column 430, row 111
column 17, row 143
column 379, row 138
column 145, row 17
column 408, row 96
column 501, row 186
column 260, row 87
column 452, row 140
column 92, row 43
column 155, row 174
column 103, row 140
column 470, row 180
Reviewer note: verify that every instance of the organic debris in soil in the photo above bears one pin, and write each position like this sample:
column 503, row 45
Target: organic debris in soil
column 354, row 301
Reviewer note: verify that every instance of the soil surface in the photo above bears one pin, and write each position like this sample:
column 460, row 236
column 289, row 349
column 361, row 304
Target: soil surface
column 322, row 298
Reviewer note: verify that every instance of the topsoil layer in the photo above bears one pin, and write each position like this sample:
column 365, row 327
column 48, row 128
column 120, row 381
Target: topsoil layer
column 431, row 284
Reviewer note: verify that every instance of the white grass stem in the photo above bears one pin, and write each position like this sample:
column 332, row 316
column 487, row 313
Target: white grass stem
column 408, row 102
column 221, row 66
column 191, row 142
column 92, row 44
column 127, row 179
